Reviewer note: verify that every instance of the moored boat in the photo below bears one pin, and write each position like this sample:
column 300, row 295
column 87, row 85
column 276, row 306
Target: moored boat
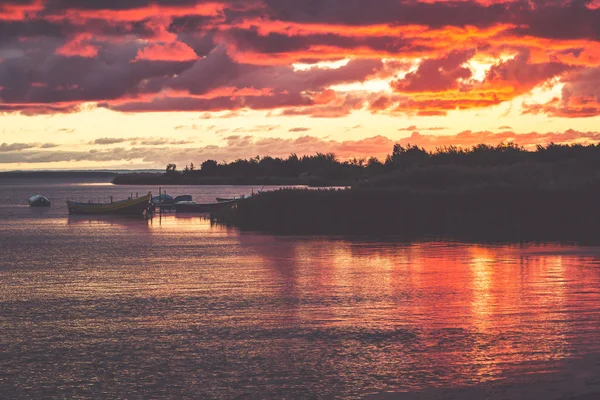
column 39, row 201
column 183, row 197
column 193, row 207
column 163, row 199
column 123, row 207
column 228, row 199
column 241, row 197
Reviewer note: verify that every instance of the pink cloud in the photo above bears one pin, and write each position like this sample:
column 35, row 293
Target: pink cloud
column 79, row 46
column 174, row 51
column 16, row 11
column 593, row 5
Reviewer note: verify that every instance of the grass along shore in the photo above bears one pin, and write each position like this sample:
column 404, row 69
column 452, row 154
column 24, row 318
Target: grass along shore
column 486, row 212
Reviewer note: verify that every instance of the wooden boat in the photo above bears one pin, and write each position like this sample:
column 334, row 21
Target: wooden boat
column 193, row 207
column 227, row 199
column 123, row 207
column 39, row 201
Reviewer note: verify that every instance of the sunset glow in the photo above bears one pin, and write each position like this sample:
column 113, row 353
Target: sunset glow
column 138, row 84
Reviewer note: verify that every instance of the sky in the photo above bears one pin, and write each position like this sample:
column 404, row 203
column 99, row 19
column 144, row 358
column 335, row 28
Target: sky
column 130, row 84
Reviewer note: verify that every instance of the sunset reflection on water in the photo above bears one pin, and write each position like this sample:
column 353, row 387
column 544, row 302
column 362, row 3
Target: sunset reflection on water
column 349, row 313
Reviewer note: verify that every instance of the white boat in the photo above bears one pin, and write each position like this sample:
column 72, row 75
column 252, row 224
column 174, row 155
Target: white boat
column 228, row 199
column 39, row 201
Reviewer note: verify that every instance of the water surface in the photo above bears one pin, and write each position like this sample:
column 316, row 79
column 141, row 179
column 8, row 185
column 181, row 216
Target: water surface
column 176, row 308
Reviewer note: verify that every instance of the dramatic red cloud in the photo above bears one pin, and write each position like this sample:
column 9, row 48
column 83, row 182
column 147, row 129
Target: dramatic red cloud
column 593, row 5
column 446, row 83
column 16, row 11
column 268, row 43
column 79, row 46
column 212, row 55
column 235, row 92
column 437, row 75
column 149, row 10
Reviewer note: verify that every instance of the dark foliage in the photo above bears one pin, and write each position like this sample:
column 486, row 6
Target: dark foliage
column 502, row 192
column 485, row 213
column 407, row 166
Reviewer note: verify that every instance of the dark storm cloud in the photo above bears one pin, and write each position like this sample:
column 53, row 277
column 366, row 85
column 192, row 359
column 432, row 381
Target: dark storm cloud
column 363, row 12
column 437, row 75
column 207, row 55
column 79, row 79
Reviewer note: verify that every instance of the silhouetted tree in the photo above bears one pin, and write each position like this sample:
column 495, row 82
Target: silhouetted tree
column 171, row 168
column 408, row 156
column 468, row 164
column 209, row 168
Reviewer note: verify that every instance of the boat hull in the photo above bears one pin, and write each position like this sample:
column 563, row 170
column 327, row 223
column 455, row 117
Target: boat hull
column 229, row 199
column 124, row 207
column 40, row 204
column 39, row 201
column 202, row 208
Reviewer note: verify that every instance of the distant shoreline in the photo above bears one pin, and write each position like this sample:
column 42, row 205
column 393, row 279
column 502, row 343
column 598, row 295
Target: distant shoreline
column 181, row 180
column 155, row 178
column 58, row 174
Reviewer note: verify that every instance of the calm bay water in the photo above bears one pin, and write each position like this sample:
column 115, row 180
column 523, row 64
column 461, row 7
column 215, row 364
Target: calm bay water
column 176, row 308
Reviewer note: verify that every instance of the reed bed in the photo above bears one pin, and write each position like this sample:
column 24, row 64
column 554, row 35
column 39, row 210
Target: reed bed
column 482, row 212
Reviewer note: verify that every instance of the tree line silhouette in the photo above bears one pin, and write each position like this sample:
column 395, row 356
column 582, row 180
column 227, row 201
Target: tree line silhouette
column 408, row 165
column 485, row 193
column 405, row 165
column 503, row 192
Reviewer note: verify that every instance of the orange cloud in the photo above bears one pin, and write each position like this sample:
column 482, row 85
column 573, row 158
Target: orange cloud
column 174, row 47
column 593, row 5
column 575, row 108
column 580, row 97
column 275, row 42
column 79, row 46
column 145, row 12
column 445, row 83
column 17, row 11
column 580, row 52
